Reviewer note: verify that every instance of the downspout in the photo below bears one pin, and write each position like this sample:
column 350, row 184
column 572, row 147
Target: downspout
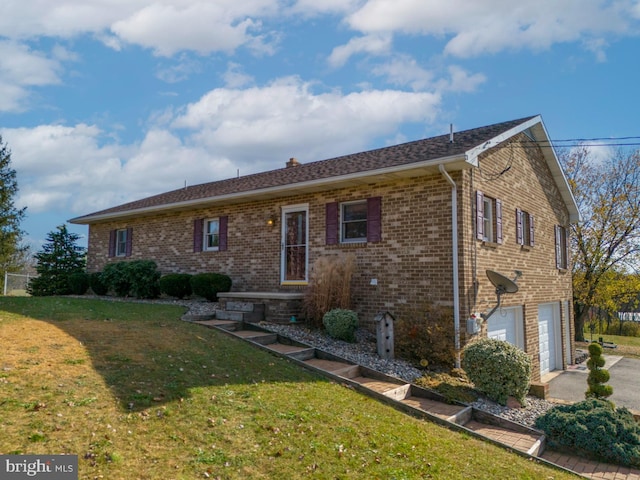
column 454, row 251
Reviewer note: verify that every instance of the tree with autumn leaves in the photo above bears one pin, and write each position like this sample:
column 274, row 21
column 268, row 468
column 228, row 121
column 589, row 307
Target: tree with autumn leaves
column 605, row 244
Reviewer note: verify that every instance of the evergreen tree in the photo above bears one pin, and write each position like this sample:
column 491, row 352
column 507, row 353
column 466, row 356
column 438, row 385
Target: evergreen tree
column 11, row 249
column 59, row 258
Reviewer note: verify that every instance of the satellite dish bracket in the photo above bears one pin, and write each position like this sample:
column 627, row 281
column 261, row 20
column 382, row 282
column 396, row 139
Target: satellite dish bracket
column 503, row 285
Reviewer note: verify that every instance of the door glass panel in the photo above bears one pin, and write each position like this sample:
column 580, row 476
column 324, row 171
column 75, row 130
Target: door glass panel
column 295, row 246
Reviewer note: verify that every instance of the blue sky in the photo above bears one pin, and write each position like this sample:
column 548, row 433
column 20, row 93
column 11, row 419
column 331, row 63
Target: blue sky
column 107, row 101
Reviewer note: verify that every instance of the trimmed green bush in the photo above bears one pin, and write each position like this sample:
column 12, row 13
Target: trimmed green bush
column 138, row 278
column 594, row 428
column 79, row 283
column 116, row 279
column 97, row 284
column 341, row 324
column 144, row 276
column 176, row 285
column 498, row 369
column 598, row 376
column 208, row 285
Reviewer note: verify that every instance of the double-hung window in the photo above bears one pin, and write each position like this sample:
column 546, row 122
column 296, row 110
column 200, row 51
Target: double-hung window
column 524, row 228
column 488, row 218
column 211, row 234
column 353, row 222
column 121, row 242
column 562, row 247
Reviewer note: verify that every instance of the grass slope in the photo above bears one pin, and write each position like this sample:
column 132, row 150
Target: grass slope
column 138, row 394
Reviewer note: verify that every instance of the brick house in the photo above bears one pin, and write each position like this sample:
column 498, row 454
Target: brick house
column 424, row 219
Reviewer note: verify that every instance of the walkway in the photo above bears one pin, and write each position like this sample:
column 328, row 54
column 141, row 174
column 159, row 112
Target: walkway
column 421, row 402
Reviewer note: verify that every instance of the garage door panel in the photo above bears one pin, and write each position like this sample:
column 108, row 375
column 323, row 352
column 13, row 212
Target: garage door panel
column 506, row 325
column 548, row 318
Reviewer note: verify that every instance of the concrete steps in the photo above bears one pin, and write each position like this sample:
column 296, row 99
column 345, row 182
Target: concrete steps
column 414, row 400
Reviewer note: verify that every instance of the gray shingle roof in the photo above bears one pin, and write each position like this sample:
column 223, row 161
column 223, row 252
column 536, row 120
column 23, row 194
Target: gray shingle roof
column 397, row 155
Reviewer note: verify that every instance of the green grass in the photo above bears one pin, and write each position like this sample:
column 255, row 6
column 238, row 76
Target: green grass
column 626, row 346
column 136, row 393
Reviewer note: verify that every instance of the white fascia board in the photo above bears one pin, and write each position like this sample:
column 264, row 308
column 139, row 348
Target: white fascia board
column 474, row 153
column 88, row 219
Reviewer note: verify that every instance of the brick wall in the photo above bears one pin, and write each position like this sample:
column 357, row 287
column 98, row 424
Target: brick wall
column 529, row 186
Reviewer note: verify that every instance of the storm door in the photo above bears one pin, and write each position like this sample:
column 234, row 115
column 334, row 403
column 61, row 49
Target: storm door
column 295, row 246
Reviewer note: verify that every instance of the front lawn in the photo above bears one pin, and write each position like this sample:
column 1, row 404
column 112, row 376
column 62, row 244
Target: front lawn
column 138, row 394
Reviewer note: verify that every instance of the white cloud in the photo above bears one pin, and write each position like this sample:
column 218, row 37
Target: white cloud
column 260, row 128
column 490, row 26
column 20, row 69
column 371, row 44
column 404, row 70
column 202, row 27
column 234, row 77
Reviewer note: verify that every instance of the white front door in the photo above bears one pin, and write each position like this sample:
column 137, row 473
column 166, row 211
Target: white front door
column 295, row 245
column 548, row 325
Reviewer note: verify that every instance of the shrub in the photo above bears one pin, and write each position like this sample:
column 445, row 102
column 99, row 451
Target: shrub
column 116, row 279
column 425, row 335
column 143, row 276
column 498, row 369
column 594, row 428
column 598, row 376
column 138, row 278
column 78, row 283
column 97, row 284
column 208, row 285
column 176, row 284
column 329, row 287
column 341, row 324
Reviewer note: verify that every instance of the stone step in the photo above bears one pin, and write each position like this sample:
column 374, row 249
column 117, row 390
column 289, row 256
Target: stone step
column 263, row 338
column 380, row 386
column 254, row 316
column 453, row 413
column 192, row 317
column 528, row 443
column 232, row 306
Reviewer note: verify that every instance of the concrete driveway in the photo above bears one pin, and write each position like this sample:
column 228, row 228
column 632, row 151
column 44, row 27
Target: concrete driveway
column 570, row 385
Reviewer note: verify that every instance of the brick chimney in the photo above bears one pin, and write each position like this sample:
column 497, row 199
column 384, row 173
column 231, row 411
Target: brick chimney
column 293, row 162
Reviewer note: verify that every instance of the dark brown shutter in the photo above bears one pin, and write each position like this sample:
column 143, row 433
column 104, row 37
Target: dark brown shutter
column 479, row 215
column 498, row 221
column 331, row 223
column 222, row 230
column 374, row 219
column 531, row 230
column 197, row 234
column 519, row 232
column 129, row 242
column 112, row 243
column 558, row 247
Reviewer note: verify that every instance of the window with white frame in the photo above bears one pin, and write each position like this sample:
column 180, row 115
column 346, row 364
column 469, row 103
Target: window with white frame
column 488, row 218
column 211, row 234
column 562, row 247
column 353, row 222
column 524, row 228
column 121, row 242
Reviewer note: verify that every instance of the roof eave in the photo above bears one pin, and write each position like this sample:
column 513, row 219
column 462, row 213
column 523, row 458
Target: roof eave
column 455, row 162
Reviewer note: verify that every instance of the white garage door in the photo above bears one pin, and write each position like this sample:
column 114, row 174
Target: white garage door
column 506, row 324
column 548, row 328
